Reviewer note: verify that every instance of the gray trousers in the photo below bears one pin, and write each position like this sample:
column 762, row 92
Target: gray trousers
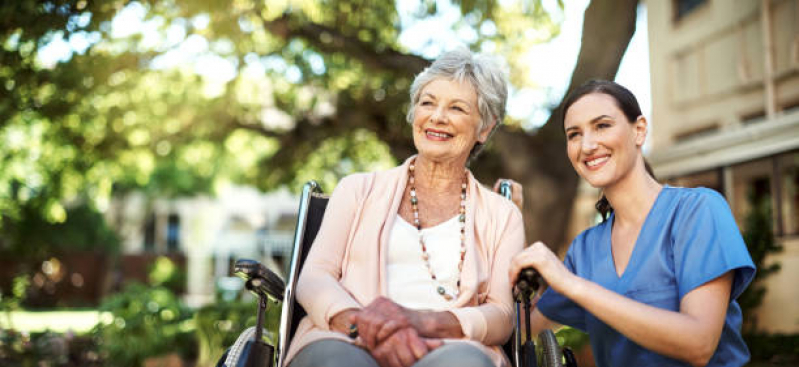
column 337, row 353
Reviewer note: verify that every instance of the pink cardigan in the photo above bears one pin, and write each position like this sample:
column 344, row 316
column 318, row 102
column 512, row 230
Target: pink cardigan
column 346, row 267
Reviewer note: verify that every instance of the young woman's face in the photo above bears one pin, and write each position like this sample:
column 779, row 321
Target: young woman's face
column 602, row 144
column 446, row 121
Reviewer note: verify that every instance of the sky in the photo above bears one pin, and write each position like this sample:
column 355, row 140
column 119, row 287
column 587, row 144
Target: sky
column 551, row 63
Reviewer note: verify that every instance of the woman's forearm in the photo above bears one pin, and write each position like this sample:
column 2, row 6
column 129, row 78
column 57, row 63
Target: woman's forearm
column 539, row 322
column 690, row 335
column 436, row 324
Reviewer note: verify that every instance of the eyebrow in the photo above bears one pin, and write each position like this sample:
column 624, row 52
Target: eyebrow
column 454, row 100
column 593, row 120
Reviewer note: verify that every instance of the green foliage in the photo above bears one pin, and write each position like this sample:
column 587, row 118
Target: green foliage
column 776, row 349
column 218, row 326
column 32, row 236
column 164, row 272
column 11, row 302
column 136, row 109
column 759, row 237
column 21, row 349
column 145, row 322
column 572, row 338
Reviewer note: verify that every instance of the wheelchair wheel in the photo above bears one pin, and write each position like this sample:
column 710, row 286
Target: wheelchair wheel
column 548, row 350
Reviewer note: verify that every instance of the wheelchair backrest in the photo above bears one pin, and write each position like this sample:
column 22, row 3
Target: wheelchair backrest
column 309, row 219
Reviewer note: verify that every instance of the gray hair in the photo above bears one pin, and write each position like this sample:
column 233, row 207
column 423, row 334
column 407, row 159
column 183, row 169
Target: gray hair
column 483, row 72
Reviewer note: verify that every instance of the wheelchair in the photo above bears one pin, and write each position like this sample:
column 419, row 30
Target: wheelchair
column 250, row 350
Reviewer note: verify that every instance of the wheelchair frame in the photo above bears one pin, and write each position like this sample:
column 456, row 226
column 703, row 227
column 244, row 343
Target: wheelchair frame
column 266, row 284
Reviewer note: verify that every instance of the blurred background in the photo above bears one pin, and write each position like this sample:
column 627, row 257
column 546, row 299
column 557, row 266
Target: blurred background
column 147, row 145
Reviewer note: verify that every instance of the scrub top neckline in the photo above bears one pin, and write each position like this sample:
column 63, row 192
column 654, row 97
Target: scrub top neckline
column 609, row 236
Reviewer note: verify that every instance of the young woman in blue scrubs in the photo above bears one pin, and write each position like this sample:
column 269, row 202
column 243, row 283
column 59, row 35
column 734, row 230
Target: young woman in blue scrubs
column 655, row 283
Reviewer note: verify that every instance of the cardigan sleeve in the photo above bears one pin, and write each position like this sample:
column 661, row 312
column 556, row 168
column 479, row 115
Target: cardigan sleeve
column 491, row 322
column 318, row 289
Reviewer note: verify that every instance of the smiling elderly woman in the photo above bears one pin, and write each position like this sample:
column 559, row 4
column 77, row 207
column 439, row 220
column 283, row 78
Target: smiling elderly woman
column 415, row 259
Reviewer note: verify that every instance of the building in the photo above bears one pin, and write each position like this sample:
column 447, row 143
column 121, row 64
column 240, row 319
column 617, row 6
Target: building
column 725, row 96
column 207, row 234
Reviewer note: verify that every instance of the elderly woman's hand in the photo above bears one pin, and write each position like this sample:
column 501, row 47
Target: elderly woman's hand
column 517, row 196
column 379, row 320
column 341, row 321
column 403, row 348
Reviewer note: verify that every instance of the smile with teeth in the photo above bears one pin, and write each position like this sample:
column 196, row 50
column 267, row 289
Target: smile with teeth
column 440, row 135
column 597, row 161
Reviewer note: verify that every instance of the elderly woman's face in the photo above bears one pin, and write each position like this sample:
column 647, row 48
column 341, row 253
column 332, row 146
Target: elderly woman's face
column 446, row 121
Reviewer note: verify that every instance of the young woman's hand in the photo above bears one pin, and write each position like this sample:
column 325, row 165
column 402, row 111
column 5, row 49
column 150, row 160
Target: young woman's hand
column 543, row 260
column 516, row 193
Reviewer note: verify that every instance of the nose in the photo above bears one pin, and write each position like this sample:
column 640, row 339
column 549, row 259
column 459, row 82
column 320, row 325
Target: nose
column 439, row 115
column 589, row 143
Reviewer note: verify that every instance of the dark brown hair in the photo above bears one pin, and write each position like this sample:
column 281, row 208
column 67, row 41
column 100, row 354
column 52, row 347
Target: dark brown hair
column 628, row 105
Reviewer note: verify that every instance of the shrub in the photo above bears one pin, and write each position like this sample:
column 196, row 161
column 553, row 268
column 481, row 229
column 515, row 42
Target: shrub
column 47, row 349
column 759, row 237
column 218, row 325
column 145, row 322
column 776, row 349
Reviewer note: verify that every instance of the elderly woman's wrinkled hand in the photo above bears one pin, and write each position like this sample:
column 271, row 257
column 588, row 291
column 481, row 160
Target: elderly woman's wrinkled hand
column 379, row 320
column 403, row 348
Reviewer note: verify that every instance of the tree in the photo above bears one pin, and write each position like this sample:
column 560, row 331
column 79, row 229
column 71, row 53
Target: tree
column 316, row 88
column 758, row 234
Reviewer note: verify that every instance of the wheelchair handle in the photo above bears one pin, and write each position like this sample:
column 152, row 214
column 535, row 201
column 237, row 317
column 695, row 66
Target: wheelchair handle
column 259, row 279
column 505, row 189
column 529, row 280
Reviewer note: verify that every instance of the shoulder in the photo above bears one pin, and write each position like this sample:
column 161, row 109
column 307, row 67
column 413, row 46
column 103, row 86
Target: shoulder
column 698, row 198
column 358, row 186
column 363, row 180
column 588, row 237
column 353, row 182
column 496, row 204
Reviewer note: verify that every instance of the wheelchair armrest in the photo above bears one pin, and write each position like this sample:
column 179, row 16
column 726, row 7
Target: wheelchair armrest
column 259, row 279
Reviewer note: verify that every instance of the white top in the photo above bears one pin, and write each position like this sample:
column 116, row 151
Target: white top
column 409, row 281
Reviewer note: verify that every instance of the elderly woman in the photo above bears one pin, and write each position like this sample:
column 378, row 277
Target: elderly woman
column 414, row 260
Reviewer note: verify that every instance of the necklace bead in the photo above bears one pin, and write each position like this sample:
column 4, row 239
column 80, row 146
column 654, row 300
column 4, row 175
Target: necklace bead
column 440, row 289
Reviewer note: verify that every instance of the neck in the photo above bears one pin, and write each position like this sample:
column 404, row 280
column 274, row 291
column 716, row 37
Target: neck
column 633, row 196
column 438, row 176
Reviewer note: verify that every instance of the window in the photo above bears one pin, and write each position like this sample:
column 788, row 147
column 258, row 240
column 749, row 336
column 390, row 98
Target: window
column 789, row 199
column 684, row 7
column 173, row 233
column 696, row 133
column 752, row 184
column 149, row 233
column 710, row 179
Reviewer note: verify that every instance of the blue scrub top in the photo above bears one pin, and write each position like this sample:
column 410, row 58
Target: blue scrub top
column 688, row 238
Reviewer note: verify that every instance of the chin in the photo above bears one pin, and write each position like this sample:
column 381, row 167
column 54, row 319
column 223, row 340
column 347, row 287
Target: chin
column 597, row 181
column 434, row 152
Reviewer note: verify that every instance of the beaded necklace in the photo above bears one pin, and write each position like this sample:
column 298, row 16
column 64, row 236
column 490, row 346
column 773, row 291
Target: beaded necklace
column 461, row 219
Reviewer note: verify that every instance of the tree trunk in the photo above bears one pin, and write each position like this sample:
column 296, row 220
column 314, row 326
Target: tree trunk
column 538, row 161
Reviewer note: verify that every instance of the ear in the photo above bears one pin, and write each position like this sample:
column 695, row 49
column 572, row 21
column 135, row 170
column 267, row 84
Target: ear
column 641, row 125
column 482, row 136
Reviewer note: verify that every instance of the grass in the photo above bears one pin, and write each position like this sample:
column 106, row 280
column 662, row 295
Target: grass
column 77, row 321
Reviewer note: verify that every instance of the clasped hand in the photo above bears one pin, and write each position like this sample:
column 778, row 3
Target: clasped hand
column 391, row 333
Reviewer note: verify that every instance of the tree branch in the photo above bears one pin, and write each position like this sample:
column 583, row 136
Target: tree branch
column 329, row 40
